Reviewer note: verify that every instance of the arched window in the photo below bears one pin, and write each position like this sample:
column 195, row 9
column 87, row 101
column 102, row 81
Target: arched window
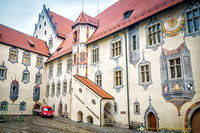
column 38, row 78
column 59, row 68
column 58, row 88
column 14, row 90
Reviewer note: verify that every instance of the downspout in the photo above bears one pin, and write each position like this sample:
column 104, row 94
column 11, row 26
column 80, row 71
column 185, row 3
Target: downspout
column 100, row 111
column 127, row 85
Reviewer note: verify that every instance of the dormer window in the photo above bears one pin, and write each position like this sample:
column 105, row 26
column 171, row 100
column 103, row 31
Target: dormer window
column 127, row 14
column 31, row 43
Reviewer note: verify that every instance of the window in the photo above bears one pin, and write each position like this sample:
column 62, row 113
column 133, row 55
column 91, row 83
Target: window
column 14, row 90
column 175, row 68
column 3, row 71
column 95, row 55
column 134, row 43
column 115, row 108
column 75, row 36
column 45, row 32
column 44, row 23
column 65, row 87
column 53, row 89
column 13, row 55
column 66, row 108
column 193, row 20
column 4, row 106
column 25, row 76
column 58, row 89
column 136, row 108
column 127, row 14
column 154, row 34
column 43, row 16
column 98, row 80
column 116, row 48
column 82, row 59
column 144, row 73
column 93, row 101
column 40, row 26
column 38, row 78
column 51, row 70
column 47, row 90
column 80, row 90
column 74, row 58
column 26, row 58
column 50, row 42
column 59, row 68
column 39, row 62
column 53, row 107
column 22, row 106
column 69, row 64
column 36, row 93
column 118, row 78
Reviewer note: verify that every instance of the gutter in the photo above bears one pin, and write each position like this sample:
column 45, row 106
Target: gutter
column 127, row 85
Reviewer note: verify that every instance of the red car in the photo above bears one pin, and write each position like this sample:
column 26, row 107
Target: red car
column 47, row 111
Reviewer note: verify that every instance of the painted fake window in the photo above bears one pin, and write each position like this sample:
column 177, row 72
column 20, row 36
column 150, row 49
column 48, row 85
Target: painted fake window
column 175, row 68
column 116, row 48
column 154, row 34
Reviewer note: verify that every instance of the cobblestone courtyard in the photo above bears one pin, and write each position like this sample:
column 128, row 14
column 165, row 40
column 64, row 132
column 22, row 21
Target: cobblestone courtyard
column 37, row 124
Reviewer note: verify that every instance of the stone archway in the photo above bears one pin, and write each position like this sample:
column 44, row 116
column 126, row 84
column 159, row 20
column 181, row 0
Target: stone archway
column 151, row 122
column 89, row 119
column 107, row 114
column 36, row 108
column 80, row 116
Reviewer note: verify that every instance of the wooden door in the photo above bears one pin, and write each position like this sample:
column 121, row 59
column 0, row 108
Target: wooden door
column 196, row 121
column 60, row 109
column 152, row 122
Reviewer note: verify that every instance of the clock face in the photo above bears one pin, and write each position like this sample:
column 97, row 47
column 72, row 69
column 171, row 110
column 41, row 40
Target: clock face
column 172, row 24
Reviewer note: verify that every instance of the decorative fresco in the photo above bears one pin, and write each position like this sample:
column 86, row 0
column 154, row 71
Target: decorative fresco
column 173, row 25
column 177, row 90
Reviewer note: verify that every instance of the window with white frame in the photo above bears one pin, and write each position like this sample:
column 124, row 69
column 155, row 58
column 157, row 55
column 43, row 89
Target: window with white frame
column 26, row 58
column 58, row 88
column 39, row 62
column 59, row 67
column 69, row 64
column 13, row 55
column 144, row 73
column 25, row 76
column 175, row 68
column 95, row 55
column 154, row 34
column 50, row 42
column 118, row 77
column 116, row 48
column 50, row 70
column 193, row 20
column 98, row 80
column 65, row 87
column 3, row 72
column 38, row 78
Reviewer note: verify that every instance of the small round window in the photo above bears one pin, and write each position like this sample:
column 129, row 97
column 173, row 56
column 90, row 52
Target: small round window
column 93, row 101
column 80, row 90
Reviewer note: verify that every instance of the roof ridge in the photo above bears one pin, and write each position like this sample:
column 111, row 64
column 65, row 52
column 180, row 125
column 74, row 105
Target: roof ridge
column 60, row 15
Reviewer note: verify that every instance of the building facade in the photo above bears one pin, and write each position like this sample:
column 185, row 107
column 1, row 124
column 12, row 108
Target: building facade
column 138, row 65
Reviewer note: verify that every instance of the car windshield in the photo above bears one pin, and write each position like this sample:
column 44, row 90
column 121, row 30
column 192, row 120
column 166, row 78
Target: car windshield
column 47, row 109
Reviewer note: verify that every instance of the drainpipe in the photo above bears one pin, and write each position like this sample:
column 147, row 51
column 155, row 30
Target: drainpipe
column 127, row 85
column 100, row 111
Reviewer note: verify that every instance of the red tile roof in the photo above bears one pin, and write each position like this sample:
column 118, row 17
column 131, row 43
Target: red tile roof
column 15, row 38
column 112, row 19
column 64, row 25
column 93, row 87
column 85, row 19
column 64, row 48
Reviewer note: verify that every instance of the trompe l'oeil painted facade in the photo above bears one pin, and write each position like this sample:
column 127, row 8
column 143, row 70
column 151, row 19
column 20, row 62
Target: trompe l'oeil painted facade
column 132, row 66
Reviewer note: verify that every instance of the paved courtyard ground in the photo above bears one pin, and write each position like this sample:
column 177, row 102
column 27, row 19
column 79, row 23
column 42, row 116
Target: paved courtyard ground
column 37, row 124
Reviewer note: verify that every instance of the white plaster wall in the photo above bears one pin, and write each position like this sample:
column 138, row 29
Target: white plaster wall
column 15, row 72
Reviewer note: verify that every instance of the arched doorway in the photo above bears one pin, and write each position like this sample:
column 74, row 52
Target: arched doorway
column 195, row 121
column 36, row 108
column 89, row 119
column 107, row 114
column 151, row 121
column 80, row 116
column 60, row 109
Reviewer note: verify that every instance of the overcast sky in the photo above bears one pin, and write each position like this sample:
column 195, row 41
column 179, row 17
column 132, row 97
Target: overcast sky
column 23, row 14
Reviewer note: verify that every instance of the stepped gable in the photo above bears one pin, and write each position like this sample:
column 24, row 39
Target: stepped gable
column 112, row 19
column 85, row 19
column 64, row 25
column 93, row 87
column 20, row 40
column 63, row 49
